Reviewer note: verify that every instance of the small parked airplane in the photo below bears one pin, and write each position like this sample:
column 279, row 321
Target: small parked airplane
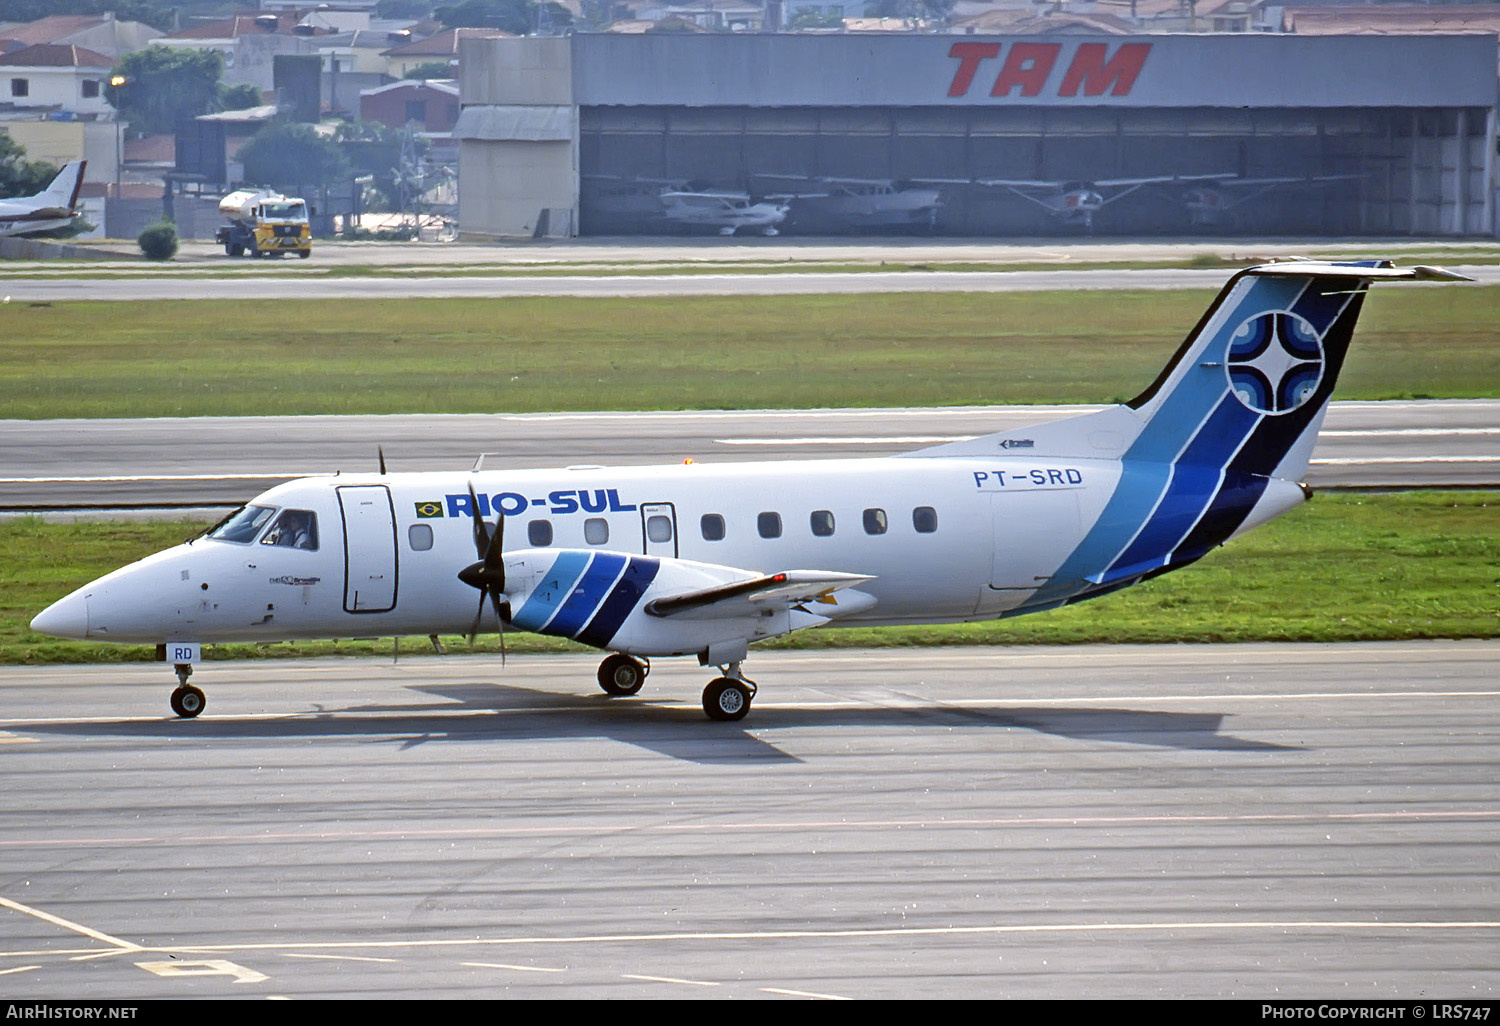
column 860, row 203
column 54, row 207
column 703, row 560
column 1077, row 202
column 727, row 210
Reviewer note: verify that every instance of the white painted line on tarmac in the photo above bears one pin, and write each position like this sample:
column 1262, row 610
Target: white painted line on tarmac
column 47, row 917
column 513, row 968
column 669, row 979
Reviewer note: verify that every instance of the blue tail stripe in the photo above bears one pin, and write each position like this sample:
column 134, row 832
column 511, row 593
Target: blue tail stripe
column 555, row 587
column 1195, row 481
column 591, row 590
column 622, row 600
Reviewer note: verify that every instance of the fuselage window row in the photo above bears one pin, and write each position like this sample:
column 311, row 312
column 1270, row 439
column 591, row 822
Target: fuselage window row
column 539, row 533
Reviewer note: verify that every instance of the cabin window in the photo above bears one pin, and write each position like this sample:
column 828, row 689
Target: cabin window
column 659, row 528
column 419, row 536
column 924, row 519
column 713, row 527
column 875, row 521
column 769, row 525
column 243, row 524
column 596, row 531
column 294, row 529
column 539, row 532
column 822, row 523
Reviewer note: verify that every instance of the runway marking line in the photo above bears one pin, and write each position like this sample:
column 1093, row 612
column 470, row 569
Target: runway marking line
column 515, row 968
column 66, row 924
column 669, row 979
column 636, row 829
column 805, row 993
column 994, row 930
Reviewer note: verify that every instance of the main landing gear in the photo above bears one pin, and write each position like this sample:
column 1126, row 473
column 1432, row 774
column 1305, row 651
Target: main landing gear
column 726, row 699
column 187, row 701
column 621, row 675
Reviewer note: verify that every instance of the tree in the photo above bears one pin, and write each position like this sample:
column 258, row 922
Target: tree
column 403, row 8
column 293, row 157
column 19, row 176
column 430, row 69
column 161, row 85
column 239, row 96
column 518, row 17
column 158, row 240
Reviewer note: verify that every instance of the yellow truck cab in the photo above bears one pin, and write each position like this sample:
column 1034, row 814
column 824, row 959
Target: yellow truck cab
column 264, row 223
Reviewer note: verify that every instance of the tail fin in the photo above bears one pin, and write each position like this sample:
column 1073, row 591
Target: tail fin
column 63, row 192
column 1218, row 443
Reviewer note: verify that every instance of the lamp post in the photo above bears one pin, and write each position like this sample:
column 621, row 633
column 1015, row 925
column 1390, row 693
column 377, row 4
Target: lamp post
column 117, row 83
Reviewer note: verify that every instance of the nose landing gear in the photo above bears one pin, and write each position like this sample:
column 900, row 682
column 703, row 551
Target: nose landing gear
column 187, row 701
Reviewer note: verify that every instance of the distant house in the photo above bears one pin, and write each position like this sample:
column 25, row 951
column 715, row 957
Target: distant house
column 68, row 78
column 440, row 47
column 250, row 43
column 101, row 33
column 432, row 105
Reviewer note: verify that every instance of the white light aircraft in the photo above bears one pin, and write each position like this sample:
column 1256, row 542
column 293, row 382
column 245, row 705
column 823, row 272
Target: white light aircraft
column 867, row 202
column 54, row 207
column 1077, row 202
column 724, row 209
column 703, row 560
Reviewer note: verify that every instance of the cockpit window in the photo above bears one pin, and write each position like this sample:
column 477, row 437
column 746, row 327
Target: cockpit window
column 243, row 525
column 294, row 529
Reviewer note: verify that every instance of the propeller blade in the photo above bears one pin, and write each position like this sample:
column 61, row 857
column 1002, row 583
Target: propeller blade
column 481, row 529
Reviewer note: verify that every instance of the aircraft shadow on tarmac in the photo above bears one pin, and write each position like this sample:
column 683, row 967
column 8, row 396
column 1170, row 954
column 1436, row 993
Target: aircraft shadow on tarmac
column 678, row 731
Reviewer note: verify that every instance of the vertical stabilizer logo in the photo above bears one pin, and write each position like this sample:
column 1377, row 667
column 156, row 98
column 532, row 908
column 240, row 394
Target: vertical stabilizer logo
column 1275, row 362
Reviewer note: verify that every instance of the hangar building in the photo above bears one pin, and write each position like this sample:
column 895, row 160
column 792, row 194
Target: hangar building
column 1326, row 135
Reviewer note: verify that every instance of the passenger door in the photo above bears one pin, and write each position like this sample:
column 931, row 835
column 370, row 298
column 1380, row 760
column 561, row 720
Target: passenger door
column 369, row 548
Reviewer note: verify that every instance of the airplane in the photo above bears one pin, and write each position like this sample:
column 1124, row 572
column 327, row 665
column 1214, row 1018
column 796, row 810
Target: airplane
column 1076, row 202
column 703, row 560
column 725, row 209
column 867, row 202
column 1209, row 205
column 54, row 207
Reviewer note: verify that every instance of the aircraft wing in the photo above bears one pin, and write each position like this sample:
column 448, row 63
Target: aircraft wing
column 786, row 590
column 1015, row 183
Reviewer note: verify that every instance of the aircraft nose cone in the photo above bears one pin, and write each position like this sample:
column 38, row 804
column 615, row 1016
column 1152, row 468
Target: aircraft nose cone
column 66, row 618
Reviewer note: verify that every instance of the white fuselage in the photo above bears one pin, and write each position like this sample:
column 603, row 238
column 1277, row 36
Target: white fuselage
column 954, row 539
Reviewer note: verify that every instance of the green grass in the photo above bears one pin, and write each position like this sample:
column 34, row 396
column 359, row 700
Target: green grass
column 1342, row 568
column 523, row 355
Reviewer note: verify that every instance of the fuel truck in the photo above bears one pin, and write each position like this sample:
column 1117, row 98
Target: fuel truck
column 264, row 223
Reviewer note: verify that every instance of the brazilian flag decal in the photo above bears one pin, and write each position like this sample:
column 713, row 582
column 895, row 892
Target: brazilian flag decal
column 427, row 510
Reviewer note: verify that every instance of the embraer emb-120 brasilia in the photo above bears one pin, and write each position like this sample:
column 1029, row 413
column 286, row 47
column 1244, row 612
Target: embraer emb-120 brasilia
column 703, row 560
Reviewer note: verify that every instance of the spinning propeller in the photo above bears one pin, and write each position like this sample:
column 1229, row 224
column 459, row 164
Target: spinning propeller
column 488, row 574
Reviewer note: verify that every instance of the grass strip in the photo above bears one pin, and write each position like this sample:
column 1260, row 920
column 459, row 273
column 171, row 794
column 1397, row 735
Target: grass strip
column 246, row 358
column 1341, row 568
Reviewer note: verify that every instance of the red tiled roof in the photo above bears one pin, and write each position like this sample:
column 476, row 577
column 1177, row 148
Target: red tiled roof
column 444, row 44
column 55, row 55
column 54, row 26
column 243, row 25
